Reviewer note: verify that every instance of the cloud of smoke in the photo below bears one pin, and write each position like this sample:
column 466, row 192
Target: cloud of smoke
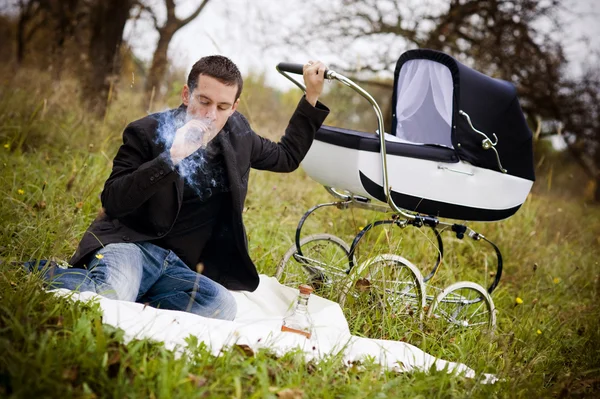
column 204, row 170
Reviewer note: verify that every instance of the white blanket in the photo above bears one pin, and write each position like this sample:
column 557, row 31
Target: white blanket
column 258, row 325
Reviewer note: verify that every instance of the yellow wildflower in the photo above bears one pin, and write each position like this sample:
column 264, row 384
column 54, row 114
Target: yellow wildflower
column 539, row 332
column 20, row 192
column 99, row 256
column 556, row 280
column 7, row 146
column 518, row 301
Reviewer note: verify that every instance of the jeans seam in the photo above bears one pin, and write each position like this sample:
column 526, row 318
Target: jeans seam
column 196, row 281
column 167, row 296
column 188, row 308
column 165, row 263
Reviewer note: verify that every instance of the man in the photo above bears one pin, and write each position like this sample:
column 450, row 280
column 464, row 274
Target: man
column 173, row 202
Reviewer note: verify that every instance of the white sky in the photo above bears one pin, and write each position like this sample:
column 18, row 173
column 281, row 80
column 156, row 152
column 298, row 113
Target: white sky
column 227, row 27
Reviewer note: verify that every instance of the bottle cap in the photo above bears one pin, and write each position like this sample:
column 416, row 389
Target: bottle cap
column 305, row 289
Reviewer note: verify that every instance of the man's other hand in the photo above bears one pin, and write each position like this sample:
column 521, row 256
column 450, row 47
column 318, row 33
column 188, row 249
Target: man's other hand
column 314, row 76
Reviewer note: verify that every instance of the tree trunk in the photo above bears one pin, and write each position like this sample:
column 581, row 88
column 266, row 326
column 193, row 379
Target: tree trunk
column 64, row 15
column 108, row 22
column 21, row 39
column 166, row 33
column 159, row 63
column 25, row 14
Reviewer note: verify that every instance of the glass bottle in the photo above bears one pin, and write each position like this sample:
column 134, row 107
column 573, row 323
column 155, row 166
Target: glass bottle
column 298, row 321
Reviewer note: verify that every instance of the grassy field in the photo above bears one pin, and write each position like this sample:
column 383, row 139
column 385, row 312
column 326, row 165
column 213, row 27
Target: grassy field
column 54, row 159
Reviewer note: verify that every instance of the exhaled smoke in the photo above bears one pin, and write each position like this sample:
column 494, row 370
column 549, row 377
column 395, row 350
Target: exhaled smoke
column 204, row 170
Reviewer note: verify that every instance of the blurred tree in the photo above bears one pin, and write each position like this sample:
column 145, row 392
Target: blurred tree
column 65, row 17
column 92, row 30
column 166, row 32
column 7, row 27
column 61, row 21
column 521, row 41
column 28, row 9
column 45, row 26
column 107, row 22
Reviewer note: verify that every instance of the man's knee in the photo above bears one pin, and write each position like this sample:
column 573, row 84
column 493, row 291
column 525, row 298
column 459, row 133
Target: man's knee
column 117, row 271
column 223, row 303
column 227, row 309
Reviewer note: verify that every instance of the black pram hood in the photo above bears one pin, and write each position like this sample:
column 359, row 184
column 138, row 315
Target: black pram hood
column 493, row 107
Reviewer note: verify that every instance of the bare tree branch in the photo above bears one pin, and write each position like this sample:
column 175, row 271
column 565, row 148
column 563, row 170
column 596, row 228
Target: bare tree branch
column 142, row 7
column 166, row 33
column 193, row 15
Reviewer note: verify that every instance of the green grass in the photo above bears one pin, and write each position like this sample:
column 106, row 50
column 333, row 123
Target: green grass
column 53, row 162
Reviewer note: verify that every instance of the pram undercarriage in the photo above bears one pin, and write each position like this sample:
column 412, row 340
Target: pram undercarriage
column 436, row 164
column 329, row 264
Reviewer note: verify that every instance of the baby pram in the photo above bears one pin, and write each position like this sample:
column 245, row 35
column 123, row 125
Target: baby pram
column 459, row 148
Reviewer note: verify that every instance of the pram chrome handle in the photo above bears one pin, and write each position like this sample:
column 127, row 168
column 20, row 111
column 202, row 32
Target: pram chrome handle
column 297, row 69
column 285, row 67
column 288, row 67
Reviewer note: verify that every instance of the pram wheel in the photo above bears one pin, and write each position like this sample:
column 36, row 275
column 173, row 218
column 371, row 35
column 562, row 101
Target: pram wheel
column 465, row 304
column 394, row 283
column 323, row 264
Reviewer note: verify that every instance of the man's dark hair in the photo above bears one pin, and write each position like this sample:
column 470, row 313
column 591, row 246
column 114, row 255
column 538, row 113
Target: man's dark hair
column 218, row 67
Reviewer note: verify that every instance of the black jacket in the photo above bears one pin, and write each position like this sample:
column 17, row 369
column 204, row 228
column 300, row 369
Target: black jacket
column 143, row 195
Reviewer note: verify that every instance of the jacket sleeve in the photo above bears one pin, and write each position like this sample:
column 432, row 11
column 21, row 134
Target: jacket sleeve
column 286, row 155
column 136, row 176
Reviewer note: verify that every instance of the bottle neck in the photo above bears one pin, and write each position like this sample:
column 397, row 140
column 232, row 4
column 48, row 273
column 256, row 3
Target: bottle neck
column 302, row 304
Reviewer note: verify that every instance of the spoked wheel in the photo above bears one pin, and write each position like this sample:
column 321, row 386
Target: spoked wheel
column 465, row 304
column 323, row 264
column 391, row 282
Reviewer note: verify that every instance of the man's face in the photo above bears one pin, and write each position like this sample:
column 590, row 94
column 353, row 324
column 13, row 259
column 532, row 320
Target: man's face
column 211, row 100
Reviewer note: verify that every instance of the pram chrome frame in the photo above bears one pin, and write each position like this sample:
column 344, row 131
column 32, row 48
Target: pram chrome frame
column 400, row 217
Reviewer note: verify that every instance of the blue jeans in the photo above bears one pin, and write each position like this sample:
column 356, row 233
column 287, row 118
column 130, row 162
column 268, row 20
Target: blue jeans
column 146, row 273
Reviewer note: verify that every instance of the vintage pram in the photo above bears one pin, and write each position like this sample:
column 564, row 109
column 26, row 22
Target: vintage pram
column 459, row 148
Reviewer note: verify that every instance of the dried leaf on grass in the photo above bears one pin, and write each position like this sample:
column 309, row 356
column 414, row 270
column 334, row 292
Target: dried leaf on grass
column 70, row 374
column 197, row 380
column 288, row 393
column 245, row 349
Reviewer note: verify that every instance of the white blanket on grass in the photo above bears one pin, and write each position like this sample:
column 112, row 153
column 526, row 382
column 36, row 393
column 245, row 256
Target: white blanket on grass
column 258, row 325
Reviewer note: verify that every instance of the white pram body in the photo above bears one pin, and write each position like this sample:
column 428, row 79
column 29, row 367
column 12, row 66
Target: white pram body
column 427, row 180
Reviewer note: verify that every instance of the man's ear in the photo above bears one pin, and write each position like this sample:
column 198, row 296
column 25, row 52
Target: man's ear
column 235, row 105
column 185, row 95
